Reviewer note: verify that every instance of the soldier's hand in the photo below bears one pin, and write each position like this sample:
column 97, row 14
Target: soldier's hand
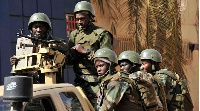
column 13, row 60
column 79, row 48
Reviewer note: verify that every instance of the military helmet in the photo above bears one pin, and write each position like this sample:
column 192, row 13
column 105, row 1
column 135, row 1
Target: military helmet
column 132, row 56
column 39, row 17
column 84, row 6
column 151, row 54
column 106, row 53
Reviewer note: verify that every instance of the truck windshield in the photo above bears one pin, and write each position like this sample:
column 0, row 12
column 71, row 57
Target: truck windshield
column 71, row 101
column 40, row 104
column 4, row 106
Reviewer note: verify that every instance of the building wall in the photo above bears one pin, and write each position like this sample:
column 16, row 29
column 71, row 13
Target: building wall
column 14, row 15
column 190, row 36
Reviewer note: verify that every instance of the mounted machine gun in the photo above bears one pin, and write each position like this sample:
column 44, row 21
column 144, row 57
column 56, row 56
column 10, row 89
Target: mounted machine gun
column 35, row 54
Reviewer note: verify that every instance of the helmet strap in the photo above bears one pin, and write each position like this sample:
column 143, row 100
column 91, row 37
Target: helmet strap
column 153, row 67
column 104, row 75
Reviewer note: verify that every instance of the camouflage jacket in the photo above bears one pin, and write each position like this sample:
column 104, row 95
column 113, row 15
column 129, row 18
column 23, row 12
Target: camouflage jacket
column 122, row 92
column 176, row 90
column 147, row 89
column 111, row 91
column 92, row 38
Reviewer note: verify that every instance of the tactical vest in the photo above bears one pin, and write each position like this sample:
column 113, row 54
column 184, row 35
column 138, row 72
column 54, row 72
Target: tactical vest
column 177, row 94
column 105, row 81
column 182, row 98
column 161, row 92
column 169, row 81
column 144, row 84
column 141, row 96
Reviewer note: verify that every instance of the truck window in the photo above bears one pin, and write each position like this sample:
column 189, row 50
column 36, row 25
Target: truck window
column 40, row 104
column 4, row 106
column 71, row 101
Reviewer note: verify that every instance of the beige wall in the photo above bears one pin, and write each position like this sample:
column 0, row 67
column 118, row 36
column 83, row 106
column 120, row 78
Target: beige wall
column 190, row 35
column 103, row 20
column 189, row 21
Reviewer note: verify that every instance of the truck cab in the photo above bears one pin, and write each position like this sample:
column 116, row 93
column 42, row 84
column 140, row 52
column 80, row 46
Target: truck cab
column 52, row 97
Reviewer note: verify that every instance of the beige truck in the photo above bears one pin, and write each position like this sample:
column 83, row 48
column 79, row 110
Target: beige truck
column 52, row 97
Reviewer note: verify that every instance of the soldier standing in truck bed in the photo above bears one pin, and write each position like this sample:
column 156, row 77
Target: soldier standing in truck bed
column 82, row 44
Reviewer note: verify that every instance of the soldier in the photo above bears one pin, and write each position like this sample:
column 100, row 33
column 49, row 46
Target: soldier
column 82, row 44
column 130, row 62
column 39, row 26
column 176, row 91
column 117, row 91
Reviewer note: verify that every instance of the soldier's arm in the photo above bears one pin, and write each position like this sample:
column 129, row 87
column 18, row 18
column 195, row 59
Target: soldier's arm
column 71, row 41
column 70, row 44
column 181, row 99
column 106, row 40
column 115, row 91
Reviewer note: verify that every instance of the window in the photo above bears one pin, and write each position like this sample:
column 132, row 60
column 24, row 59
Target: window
column 4, row 106
column 71, row 101
column 70, row 23
column 40, row 104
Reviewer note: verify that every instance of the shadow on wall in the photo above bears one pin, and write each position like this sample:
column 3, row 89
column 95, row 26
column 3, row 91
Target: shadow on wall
column 188, row 48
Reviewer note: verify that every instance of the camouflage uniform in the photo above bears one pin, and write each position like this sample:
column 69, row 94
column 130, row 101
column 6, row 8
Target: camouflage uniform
column 112, row 90
column 176, row 90
column 105, row 62
column 91, row 38
column 147, row 86
column 123, row 91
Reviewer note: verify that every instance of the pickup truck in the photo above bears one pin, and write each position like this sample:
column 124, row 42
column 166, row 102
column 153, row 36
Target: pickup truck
column 53, row 97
